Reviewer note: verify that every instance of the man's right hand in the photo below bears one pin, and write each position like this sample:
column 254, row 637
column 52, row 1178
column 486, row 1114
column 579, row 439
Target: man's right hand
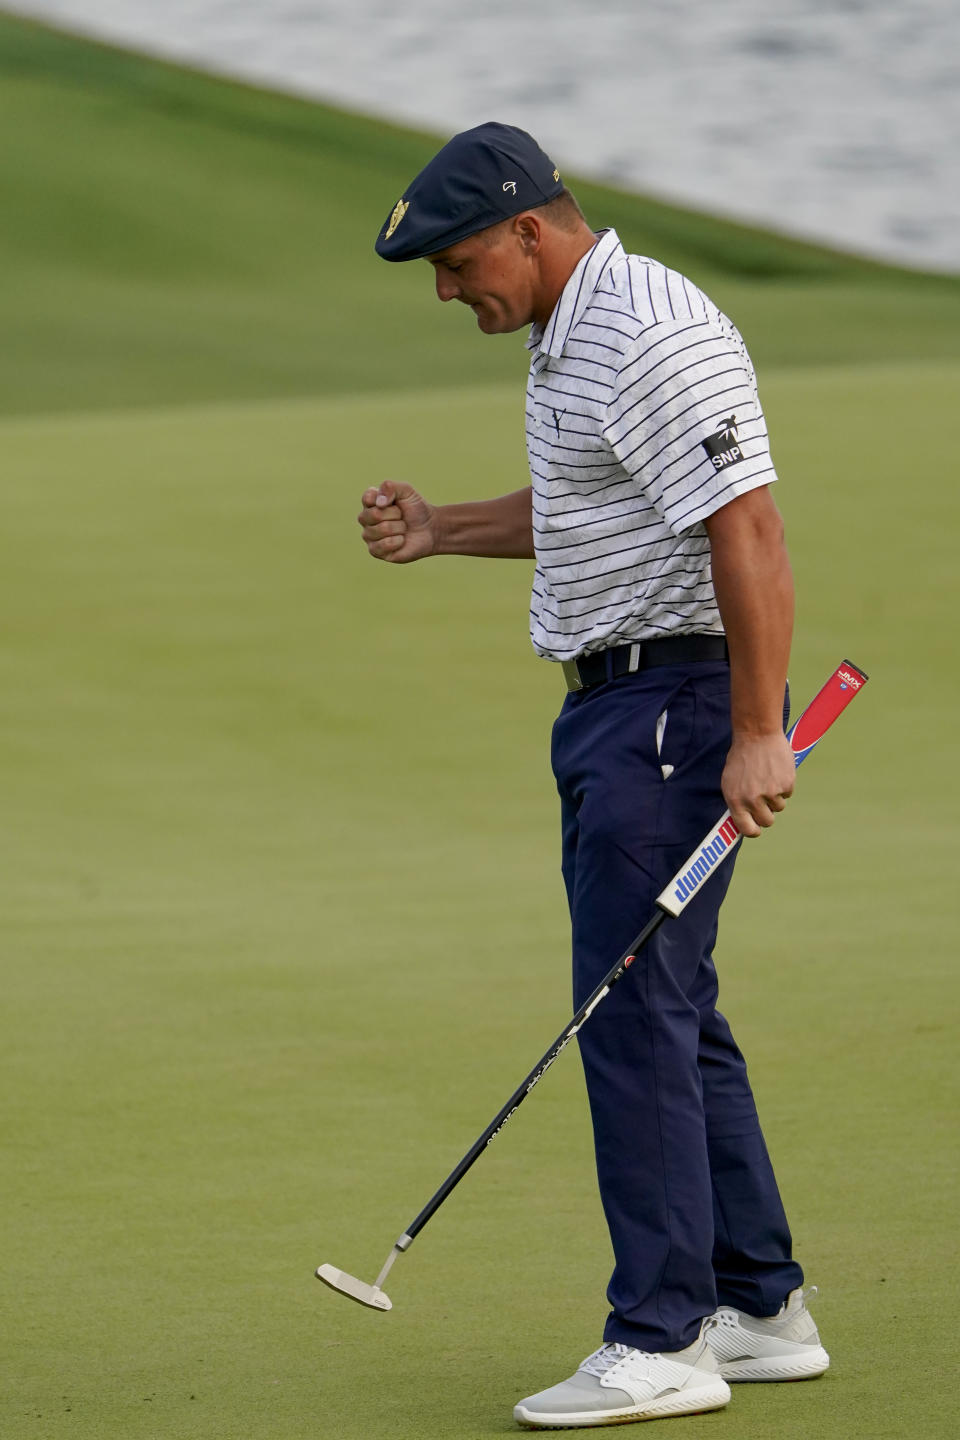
column 397, row 524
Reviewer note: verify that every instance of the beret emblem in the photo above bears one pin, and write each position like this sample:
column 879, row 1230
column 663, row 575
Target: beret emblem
column 401, row 208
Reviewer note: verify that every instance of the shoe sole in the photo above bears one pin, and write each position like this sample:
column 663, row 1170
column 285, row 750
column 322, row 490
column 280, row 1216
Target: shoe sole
column 680, row 1402
column 776, row 1367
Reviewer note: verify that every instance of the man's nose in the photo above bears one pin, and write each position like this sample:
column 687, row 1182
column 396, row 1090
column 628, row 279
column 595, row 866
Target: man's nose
column 447, row 287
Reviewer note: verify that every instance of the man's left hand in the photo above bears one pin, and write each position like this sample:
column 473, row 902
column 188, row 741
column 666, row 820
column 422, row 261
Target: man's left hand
column 758, row 779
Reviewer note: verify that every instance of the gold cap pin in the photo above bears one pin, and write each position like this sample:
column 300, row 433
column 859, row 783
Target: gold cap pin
column 401, row 208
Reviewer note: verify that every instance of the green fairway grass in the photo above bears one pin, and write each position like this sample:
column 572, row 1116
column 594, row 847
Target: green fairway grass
column 283, row 926
column 282, row 916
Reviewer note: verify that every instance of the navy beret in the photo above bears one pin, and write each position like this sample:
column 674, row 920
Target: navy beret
column 480, row 177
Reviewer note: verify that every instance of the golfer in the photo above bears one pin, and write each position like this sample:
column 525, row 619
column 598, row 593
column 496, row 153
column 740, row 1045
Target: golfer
column 662, row 590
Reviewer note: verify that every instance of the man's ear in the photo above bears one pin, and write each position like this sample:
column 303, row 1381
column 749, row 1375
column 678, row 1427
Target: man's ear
column 529, row 231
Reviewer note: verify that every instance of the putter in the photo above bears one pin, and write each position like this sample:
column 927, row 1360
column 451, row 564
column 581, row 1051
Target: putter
column 846, row 682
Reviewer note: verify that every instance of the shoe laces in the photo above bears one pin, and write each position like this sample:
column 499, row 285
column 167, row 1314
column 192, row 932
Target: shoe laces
column 606, row 1357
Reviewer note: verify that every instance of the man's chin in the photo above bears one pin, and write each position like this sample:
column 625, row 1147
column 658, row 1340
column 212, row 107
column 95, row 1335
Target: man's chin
column 493, row 324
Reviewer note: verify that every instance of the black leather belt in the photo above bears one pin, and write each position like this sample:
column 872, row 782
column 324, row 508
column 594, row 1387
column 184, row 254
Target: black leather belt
column 603, row 665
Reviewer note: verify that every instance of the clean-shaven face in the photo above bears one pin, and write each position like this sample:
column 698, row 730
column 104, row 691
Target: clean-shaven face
column 493, row 275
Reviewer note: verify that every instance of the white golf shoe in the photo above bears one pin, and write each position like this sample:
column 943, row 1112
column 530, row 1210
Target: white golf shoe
column 617, row 1384
column 785, row 1346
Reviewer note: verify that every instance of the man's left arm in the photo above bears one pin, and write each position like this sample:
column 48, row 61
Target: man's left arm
column 754, row 589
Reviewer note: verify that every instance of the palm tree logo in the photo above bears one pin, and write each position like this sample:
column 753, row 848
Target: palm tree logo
column 728, row 430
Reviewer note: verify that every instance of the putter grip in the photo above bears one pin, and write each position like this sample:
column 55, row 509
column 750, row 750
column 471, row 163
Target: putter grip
column 844, row 684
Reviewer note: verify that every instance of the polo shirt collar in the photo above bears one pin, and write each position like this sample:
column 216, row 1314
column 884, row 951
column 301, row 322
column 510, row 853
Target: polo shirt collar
column 550, row 339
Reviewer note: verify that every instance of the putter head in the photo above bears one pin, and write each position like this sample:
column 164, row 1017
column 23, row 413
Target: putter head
column 349, row 1285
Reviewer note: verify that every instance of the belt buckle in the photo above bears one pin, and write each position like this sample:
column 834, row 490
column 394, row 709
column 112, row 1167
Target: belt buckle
column 571, row 673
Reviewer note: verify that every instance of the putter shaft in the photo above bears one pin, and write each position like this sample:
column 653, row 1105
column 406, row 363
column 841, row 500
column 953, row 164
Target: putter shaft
column 806, row 732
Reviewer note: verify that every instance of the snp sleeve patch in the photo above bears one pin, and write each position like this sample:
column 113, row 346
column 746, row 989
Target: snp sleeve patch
column 722, row 447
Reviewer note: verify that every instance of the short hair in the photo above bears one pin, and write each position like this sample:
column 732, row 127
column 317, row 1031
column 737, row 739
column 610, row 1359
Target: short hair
column 563, row 212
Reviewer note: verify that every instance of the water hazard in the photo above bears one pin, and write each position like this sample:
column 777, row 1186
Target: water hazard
column 838, row 120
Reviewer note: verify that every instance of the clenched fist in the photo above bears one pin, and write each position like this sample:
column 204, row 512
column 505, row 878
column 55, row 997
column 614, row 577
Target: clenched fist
column 397, row 524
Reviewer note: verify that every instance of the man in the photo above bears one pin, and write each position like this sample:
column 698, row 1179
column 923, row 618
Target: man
column 663, row 587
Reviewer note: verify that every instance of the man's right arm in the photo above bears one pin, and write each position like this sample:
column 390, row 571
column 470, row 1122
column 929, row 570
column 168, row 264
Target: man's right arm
column 398, row 525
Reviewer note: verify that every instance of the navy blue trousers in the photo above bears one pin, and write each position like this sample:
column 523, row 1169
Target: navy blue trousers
column 687, row 1187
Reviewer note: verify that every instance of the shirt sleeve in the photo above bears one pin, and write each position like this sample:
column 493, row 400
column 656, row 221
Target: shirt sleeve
column 685, row 420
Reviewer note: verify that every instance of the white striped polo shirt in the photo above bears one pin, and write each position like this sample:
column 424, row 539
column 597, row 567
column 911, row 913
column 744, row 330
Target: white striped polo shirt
column 642, row 420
